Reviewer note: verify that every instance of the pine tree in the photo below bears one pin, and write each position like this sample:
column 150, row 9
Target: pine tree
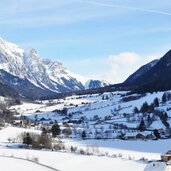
column 107, row 97
column 83, row 135
column 156, row 102
column 142, row 125
column 151, row 108
column 44, row 131
column 164, row 98
column 135, row 110
column 156, row 133
column 166, row 116
column 168, row 96
column 144, row 107
column 55, row 130
column 149, row 120
column 27, row 139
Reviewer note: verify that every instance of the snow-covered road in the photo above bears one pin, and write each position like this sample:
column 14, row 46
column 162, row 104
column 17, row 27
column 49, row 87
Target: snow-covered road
column 12, row 163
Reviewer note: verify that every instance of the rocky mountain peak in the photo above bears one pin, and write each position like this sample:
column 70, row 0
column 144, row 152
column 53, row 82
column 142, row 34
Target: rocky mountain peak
column 92, row 84
column 45, row 74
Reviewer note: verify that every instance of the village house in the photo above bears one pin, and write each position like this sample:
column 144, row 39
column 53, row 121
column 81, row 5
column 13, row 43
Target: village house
column 166, row 157
column 139, row 135
column 130, row 136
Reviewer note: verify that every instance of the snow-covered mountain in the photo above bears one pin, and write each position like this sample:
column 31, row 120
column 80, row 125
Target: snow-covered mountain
column 92, row 84
column 46, row 75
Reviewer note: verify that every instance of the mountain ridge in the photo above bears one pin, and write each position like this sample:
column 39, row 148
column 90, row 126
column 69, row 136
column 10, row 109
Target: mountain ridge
column 154, row 78
column 47, row 75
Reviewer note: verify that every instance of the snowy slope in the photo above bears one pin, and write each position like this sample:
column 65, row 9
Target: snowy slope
column 156, row 166
column 14, row 132
column 8, row 164
column 72, row 162
column 131, row 152
column 64, row 161
column 97, row 104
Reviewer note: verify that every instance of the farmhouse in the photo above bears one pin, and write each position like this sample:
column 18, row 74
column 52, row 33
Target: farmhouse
column 166, row 157
column 130, row 136
column 139, row 135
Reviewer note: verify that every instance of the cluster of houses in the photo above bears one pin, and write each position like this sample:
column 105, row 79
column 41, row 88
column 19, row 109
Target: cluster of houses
column 145, row 135
column 94, row 131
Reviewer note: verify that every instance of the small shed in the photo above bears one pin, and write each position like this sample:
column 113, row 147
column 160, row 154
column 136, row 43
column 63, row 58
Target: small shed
column 166, row 157
column 130, row 136
column 140, row 136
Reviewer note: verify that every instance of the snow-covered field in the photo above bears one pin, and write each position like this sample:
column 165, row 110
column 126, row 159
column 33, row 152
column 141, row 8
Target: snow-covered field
column 64, row 161
column 109, row 155
column 8, row 164
column 73, row 162
column 13, row 133
column 136, row 150
column 119, row 154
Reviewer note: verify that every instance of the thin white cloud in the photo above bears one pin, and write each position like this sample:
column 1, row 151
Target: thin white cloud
column 35, row 14
column 114, row 68
column 124, row 64
column 20, row 6
column 126, row 7
column 31, row 22
column 39, row 13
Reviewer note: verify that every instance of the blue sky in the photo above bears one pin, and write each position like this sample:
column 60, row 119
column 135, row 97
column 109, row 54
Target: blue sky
column 101, row 39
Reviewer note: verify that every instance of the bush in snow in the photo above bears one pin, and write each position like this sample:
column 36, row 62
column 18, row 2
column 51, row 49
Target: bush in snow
column 81, row 151
column 67, row 131
column 120, row 155
column 73, row 149
column 37, row 140
column 41, row 141
column 59, row 146
column 27, row 139
column 35, row 159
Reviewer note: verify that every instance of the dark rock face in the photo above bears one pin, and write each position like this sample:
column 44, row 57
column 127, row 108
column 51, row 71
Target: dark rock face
column 153, row 76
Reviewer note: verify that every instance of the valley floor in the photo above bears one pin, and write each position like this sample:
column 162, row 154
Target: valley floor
column 106, row 114
column 8, row 164
column 66, row 161
column 135, row 149
column 109, row 155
